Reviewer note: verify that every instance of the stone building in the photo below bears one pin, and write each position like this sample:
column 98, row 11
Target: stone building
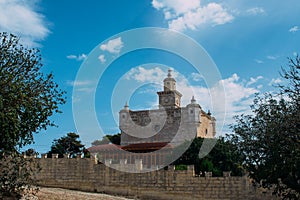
column 171, row 123
column 151, row 135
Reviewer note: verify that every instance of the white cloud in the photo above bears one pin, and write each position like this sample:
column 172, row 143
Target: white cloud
column 239, row 94
column 254, row 80
column 295, row 54
column 141, row 74
column 275, row 81
column 294, row 29
column 196, row 76
column 102, row 58
column 82, row 86
column 176, row 6
column 113, row 46
column 272, row 57
column 256, row 11
column 259, row 61
column 22, row 19
column 78, row 83
column 78, row 58
column 182, row 15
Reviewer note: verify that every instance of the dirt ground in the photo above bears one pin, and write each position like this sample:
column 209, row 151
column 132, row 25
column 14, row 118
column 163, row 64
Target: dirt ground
column 62, row 194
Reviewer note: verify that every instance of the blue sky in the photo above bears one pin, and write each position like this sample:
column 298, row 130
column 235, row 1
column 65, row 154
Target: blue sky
column 247, row 40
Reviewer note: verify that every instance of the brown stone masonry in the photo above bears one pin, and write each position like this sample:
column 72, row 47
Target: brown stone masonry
column 86, row 175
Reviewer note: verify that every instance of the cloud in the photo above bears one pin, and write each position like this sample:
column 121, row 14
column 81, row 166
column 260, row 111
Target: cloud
column 196, row 76
column 254, row 80
column 78, row 58
column 83, row 86
column 102, row 58
column 22, row 19
column 256, row 11
column 183, row 15
column 275, row 81
column 141, row 74
column 259, row 61
column 295, row 54
column 272, row 57
column 239, row 94
column 113, row 46
column 78, row 83
column 294, row 29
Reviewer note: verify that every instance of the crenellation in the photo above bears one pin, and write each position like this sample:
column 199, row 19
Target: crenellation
column 84, row 174
column 54, row 156
column 66, row 155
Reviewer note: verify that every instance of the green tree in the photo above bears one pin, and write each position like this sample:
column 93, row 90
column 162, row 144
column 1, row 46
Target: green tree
column 27, row 97
column 17, row 176
column 69, row 144
column 114, row 139
column 30, row 153
column 223, row 157
column 270, row 137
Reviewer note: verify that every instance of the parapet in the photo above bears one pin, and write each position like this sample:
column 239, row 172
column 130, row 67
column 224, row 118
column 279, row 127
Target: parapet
column 137, row 166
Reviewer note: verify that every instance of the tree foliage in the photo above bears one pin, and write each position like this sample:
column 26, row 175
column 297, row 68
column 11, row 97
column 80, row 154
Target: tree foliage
column 223, row 157
column 27, row 97
column 69, row 144
column 114, row 139
column 17, row 175
column 270, row 137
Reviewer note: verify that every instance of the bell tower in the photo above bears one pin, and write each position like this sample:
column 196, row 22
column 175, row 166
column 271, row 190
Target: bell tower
column 170, row 97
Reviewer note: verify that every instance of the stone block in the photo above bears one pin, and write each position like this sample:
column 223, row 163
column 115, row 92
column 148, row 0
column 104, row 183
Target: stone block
column 54, row 155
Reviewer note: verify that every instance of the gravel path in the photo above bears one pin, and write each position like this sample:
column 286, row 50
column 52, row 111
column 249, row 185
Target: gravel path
column 63, row 194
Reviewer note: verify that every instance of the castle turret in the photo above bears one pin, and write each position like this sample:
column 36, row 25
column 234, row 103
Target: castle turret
column 194, row 111
column 170, row 97
column 123, row 116
column 169, row 82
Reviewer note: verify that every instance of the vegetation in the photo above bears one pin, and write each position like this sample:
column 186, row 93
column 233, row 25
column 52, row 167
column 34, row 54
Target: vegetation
column 224, row 157
column 270, row 137
column 17, row 175
column 27, row 99
column 69, row 144
column 114, row 139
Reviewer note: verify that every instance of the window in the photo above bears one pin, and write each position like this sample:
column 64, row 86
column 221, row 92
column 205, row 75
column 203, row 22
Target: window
column 191, row 111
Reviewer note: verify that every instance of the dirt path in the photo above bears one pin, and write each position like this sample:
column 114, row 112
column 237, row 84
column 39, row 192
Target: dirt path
column 63, row 194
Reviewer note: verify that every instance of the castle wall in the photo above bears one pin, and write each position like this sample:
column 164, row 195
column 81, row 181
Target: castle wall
column 206, row 128
column 171, row 125
column 150, row 126
column 86, row 175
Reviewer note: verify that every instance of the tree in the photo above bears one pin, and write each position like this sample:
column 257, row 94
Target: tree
column 223, row 157
column 270, row 137
column 17, row 175
column 27, row 97
column 69, row 144
column 30, row 153
column 114, row 139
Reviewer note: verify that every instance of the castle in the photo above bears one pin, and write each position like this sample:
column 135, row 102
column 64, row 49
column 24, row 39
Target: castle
column 148, row 137
column 151, row 135
column 165, row 123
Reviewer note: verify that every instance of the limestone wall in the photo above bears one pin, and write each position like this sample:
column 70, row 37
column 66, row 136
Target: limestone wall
column 86, row 175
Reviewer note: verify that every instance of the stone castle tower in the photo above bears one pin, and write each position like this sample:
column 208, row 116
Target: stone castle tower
column 171, row 123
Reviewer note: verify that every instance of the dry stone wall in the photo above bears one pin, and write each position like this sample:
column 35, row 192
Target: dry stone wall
column 86, row 175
